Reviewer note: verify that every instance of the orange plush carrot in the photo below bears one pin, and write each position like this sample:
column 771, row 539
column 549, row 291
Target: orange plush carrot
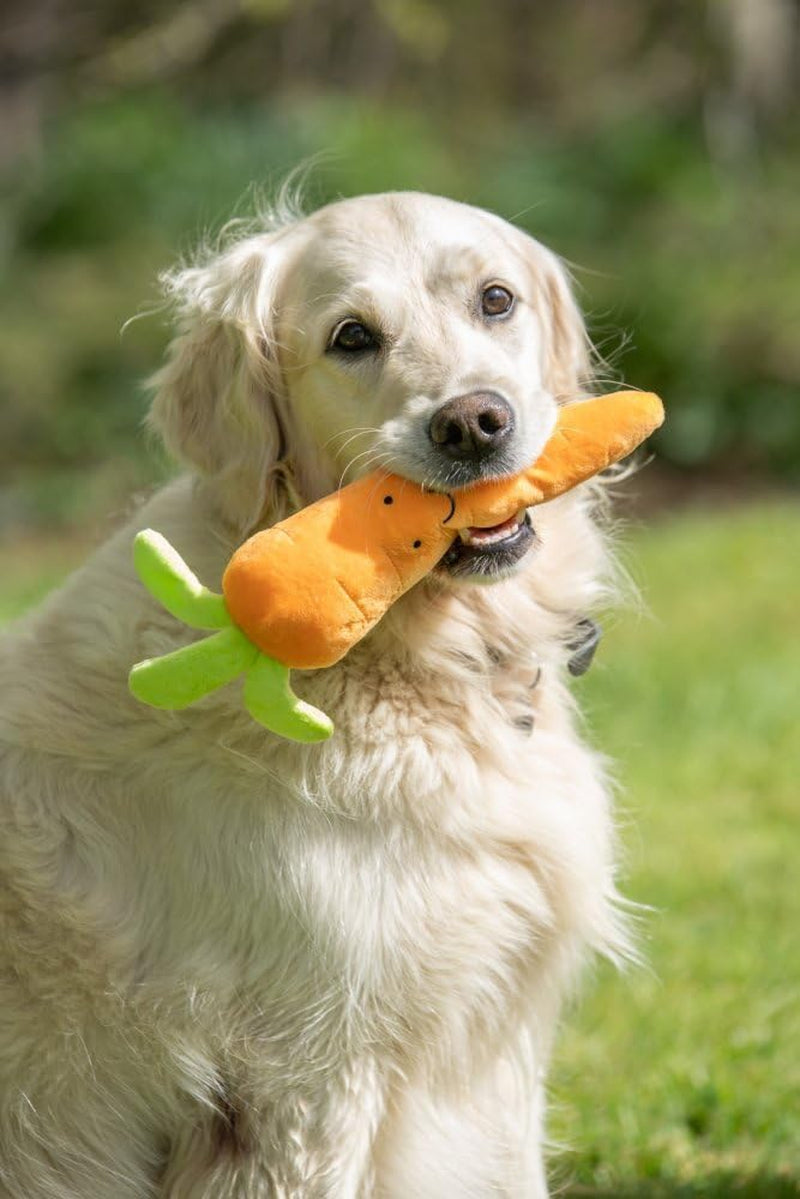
column 346, row 559
column 303, row 592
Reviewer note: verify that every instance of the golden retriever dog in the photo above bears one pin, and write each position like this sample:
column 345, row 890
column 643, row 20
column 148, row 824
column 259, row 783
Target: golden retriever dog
column 235, row 967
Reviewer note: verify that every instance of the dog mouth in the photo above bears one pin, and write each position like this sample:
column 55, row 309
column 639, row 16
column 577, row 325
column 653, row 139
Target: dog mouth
column 489, row 554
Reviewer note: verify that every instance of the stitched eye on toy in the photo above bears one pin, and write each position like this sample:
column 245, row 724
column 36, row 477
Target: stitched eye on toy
column 352, row 337
column 496, row 300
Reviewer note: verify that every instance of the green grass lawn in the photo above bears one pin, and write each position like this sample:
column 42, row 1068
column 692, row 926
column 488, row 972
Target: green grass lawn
column 682, row 1078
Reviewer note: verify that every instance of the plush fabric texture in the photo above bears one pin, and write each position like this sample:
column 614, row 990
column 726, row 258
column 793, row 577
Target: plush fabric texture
column 307, row 589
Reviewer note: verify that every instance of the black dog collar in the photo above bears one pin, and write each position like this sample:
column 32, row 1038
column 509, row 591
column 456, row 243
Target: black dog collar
column 583, row 645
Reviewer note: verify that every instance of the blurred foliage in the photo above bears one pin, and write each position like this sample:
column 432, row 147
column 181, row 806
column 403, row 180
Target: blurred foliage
column 644, row 144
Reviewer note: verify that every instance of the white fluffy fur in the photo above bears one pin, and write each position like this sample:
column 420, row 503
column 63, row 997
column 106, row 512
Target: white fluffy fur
column 235, row 967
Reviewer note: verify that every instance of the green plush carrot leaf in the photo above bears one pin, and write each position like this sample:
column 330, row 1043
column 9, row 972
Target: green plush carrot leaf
column 269, row 699
column 184, row 676
column 167, row 577
column 187, row 674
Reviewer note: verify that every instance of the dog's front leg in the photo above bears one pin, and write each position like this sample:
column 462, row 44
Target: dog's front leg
column 485, row 1141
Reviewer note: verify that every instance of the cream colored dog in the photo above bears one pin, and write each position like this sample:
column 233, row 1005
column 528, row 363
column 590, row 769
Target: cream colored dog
column 237, row 968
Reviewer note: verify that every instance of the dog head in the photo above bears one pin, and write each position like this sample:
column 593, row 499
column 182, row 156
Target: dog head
column 401, row 331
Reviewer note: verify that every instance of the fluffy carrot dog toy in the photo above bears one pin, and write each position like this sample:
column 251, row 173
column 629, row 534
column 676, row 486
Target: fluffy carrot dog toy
column 300, row 594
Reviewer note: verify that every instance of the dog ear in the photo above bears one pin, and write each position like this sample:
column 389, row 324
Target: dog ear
column 567, row 346
column 566, row 349
column 217, row 396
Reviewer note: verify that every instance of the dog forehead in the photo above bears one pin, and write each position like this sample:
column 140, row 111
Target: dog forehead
column 395, row 242
column 409, row 217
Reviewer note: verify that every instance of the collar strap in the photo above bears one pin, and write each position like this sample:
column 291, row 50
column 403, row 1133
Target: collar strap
column 583, row 644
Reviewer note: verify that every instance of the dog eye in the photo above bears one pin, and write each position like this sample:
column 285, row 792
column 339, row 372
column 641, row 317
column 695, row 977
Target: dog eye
column 496, row 300
column 352, row 337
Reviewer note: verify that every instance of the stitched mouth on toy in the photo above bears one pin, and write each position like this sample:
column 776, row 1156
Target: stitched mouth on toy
column 486, row 555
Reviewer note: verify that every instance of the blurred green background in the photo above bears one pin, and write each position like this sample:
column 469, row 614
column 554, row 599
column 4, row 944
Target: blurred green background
column 656, row 146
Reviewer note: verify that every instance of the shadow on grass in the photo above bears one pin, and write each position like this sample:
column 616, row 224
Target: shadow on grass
column 715, row 1186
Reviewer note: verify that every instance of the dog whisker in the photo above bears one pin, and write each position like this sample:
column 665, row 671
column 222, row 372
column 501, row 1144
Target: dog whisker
column 372, row 456
column 354, row 433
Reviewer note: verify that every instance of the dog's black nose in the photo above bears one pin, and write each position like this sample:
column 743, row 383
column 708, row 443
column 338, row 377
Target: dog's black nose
column 472, row 426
